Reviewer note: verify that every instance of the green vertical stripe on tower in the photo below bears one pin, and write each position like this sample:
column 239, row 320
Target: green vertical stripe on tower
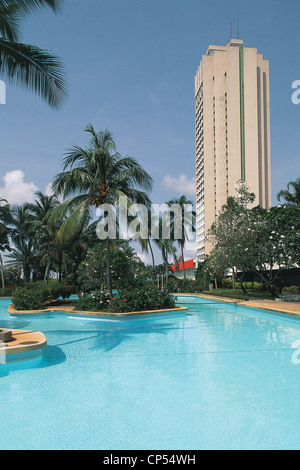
column 242, row 112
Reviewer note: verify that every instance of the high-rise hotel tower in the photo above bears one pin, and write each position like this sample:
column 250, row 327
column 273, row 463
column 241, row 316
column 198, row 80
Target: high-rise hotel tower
column 232, row 109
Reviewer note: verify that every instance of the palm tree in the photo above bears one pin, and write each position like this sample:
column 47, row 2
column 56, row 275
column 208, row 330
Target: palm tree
column 166, row 246
column 40, row 212
column 187, row 223
column 292, row 193
column 145, row 243
column 35, row 68
column 24, row 253
column 4, row 232
column 97, row 175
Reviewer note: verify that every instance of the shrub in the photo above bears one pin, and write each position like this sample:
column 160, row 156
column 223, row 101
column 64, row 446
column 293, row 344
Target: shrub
column 249, row 286
column 135, row 297
column 228, row 294
column 28, row 299
column 7, row 291
column 36, row 296
column 185, row 285
column 55, row 289
column 139, row 297
column 258, row 286
column 291, row 290
column 227, row 283
column 98, row 301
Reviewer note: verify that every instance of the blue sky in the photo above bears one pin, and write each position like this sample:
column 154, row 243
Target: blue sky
column 130, row 66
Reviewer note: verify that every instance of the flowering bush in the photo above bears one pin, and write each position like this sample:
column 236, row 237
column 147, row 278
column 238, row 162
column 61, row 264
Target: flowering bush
column 97, row 301
column 55, row 289
column 135, row 297
column 28, row 299
column 36, row 297
column 139, row 297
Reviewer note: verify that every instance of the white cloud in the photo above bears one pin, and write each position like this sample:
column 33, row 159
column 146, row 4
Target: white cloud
column 144, row 258
column 181, row 184
column 15, row 190
column 49, row 190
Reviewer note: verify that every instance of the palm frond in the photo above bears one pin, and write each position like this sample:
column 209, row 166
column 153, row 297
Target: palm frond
column 26, row 6
column 34, row 68
column 10, row 21
column 133, row 196
column 76, row 155
column 62, row 211
column 75, row 223
column 128, row 170
column 102, row 140
column 77, row 180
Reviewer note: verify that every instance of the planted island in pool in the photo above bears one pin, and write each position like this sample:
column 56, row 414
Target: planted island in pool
column 138, row 296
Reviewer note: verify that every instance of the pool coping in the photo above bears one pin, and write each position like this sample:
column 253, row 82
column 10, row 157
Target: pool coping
column 23, row 341
column 289, row 308
column 71, row 310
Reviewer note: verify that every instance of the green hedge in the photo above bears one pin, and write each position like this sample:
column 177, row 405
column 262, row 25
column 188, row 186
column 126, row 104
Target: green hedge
column 228, row 294
column 249, row 286
column 291, row 290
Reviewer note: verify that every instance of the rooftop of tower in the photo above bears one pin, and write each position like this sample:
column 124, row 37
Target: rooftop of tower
column 233, row 42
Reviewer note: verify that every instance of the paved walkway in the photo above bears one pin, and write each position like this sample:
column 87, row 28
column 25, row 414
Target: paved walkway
column 291, row 308
column 23, row 341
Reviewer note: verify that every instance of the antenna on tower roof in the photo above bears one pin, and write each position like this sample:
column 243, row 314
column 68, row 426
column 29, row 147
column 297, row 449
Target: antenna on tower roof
column 230, row 29
column 238, row 28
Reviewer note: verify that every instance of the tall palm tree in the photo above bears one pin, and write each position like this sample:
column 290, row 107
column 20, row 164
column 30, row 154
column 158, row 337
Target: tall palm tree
column 92, row 177
column 187, row 222
column 35, row 68
column 292, row 193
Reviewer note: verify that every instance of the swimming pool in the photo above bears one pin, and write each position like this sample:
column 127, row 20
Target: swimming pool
column 216, row 377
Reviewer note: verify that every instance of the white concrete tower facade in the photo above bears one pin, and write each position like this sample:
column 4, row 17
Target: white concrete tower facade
column 232, row 131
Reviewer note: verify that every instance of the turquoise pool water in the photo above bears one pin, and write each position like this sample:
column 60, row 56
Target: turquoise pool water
column 218, row 377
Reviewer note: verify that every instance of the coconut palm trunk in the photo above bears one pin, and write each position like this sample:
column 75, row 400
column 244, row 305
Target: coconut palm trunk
column 182, row 257
column 152, row 254
column 2, row 271
column 108, row 268
column 47, row 269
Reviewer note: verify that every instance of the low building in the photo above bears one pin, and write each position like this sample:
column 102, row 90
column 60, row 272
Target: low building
column 189, row 267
